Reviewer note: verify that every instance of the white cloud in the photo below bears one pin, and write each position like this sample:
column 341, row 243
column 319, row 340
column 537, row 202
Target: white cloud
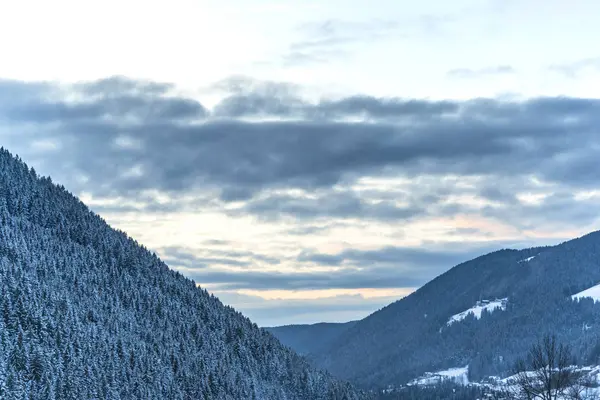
column 195, row 43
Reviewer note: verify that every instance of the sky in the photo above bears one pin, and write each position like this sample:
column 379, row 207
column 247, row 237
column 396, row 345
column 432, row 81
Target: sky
column 311, row 161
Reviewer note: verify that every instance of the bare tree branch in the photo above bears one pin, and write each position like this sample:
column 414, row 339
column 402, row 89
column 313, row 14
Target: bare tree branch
column 548, row 374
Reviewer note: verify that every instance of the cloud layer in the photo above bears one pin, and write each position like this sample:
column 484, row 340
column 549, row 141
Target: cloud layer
column 142, row 136
column 485, row 172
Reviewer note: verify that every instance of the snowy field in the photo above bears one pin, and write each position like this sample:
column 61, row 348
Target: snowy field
column 457, row 375
column 477, row 309
column 593, row 292
column 460, row 376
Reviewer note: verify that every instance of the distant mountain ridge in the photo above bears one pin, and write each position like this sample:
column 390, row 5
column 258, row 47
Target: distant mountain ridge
column 514, row 297
column 307, row 339
column 88, row 313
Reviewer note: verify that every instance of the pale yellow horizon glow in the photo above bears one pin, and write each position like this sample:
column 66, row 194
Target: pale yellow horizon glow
column 367, row 293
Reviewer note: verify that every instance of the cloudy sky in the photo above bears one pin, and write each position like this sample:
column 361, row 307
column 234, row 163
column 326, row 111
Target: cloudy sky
column 308, row 160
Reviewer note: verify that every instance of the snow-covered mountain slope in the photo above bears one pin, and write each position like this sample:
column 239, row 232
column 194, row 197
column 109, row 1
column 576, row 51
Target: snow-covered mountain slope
column 478, row 309
column 88, row 313
column 591, row 293
column 443, row 326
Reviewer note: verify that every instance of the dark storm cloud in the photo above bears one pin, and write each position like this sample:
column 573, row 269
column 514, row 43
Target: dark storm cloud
column 290, row 106
column 127, row 136
column 500, row 193
column 556, row 210
column 249, row 98
column 386, row 108
column 329, row 205
column 260, row 105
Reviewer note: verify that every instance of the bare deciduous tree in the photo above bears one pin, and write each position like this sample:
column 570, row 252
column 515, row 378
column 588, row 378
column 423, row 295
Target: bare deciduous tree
column 548, row 374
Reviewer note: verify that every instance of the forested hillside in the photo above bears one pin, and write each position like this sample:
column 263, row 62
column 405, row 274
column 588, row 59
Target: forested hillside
column 515, row 297
column 88, row 313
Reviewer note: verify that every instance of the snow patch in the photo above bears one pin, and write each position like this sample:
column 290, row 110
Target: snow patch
column 456, row 375
column 476, row 310
column 593, row 292
column 527, row 259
